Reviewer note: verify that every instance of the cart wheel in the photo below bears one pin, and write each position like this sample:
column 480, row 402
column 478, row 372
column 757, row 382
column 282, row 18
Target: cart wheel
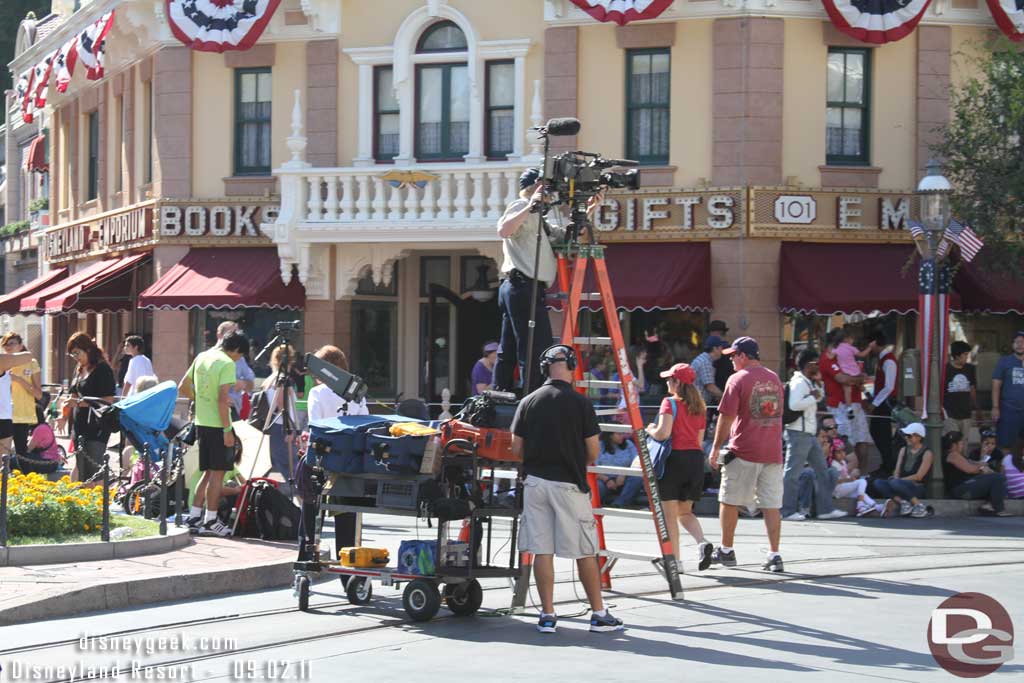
column 132, row 501
column 464, row 599
column 302, row 585
column 421, row 599
column 359, row 590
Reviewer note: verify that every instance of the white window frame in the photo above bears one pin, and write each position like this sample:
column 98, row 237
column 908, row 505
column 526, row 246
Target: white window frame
column 402, row 57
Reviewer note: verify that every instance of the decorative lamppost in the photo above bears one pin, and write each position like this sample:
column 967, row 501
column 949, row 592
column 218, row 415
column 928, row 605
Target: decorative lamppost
column 933, row 192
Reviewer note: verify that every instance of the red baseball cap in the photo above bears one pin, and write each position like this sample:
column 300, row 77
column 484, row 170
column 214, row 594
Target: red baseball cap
column 682, row 372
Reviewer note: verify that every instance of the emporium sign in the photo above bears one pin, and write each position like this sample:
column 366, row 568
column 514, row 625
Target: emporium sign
column 152, row 223
column 674, row 213
column 831, row 214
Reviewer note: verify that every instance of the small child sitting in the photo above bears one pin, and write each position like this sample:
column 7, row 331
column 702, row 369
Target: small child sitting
column 43, row 455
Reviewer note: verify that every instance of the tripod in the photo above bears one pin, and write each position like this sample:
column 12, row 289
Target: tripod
column 284, row 393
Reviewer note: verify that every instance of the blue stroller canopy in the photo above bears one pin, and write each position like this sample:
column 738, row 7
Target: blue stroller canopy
column 144, row 417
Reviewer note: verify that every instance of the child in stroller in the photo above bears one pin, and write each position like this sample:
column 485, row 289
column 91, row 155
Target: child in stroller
column 43, row 454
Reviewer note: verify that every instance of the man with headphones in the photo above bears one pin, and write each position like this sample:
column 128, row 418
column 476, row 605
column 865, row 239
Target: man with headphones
column 519, row 247
column 555, row 432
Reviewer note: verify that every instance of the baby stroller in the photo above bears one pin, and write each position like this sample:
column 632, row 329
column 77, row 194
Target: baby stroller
column 147, row 422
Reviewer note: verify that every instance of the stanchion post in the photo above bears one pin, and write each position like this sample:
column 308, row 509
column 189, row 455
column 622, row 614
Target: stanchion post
column 163, row 492
column 5, row 469
column 146, row 474
column 105, row 532
column 179, row 495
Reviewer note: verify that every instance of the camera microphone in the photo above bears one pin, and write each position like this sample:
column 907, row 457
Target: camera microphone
column 566, row 126
column 621, row 162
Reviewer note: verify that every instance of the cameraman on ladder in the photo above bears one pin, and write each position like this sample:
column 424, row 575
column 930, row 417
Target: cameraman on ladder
column 519, row 248
column 555, row 434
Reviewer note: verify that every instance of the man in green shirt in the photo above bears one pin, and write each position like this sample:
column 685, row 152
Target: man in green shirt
column 208, row 381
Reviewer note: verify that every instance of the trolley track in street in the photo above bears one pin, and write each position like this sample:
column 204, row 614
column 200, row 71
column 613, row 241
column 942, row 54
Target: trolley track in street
column 399, row 622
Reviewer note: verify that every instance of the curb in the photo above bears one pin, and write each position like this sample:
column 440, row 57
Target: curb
column 124, row 594
column 20, row 555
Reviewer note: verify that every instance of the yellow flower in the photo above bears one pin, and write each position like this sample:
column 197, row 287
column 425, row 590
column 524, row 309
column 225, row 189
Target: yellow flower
column 85, row 526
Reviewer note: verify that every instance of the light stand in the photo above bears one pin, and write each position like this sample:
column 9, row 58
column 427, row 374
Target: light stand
column 528, row 370
column 934, row 191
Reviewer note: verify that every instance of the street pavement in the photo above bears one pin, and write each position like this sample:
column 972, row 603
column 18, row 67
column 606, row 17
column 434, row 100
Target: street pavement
column 854, row 604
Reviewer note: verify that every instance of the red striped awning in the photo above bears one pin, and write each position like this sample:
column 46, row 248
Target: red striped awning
column 35, row 160
column 235, row 277
column 33, row 303
column 10, row 303
column 823, row 279
column 650, row 276
column 983, row 290
column 106, row 292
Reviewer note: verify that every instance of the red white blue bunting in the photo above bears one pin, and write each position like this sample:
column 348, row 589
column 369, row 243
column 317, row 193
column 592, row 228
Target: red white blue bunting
column 876, row 21
column 91, row 45
column 219, row 25
column 64, row 66
column 622, row 12
column 1009, row 17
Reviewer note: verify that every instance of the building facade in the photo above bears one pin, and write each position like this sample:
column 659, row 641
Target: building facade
column 380, row 144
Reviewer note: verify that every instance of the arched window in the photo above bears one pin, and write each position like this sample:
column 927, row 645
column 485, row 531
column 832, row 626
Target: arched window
column 442, row 96
column 444, row 36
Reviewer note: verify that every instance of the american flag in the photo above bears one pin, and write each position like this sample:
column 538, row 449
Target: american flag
column 969, row 242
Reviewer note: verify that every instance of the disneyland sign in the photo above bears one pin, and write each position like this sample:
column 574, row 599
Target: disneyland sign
column 215, row 220
column 67, row 241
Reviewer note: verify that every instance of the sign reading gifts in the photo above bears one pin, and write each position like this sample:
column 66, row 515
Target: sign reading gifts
column 673, row 213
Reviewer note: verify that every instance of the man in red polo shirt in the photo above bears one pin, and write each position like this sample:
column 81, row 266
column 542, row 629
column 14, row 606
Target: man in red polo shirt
column 856, row 428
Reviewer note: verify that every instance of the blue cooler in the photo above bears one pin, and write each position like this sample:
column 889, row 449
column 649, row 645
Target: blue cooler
column 417, row 557
column 386, row 454
column 340, row 442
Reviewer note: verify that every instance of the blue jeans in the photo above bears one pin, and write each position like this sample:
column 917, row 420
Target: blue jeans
column 805, row 489
column 1009, row 427
column 514, row 302
column 627, row 495
column 901, row 488
column 990, row 487
column 802, row 448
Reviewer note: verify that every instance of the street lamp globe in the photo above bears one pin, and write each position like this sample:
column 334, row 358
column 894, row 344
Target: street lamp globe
column 934, row 190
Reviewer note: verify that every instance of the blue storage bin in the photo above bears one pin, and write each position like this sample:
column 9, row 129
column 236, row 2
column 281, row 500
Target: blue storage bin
column 417, row 557
column 340, row 442
column 386, row 454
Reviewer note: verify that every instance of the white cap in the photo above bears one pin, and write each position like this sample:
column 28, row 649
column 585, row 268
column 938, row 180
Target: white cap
column 915, row 428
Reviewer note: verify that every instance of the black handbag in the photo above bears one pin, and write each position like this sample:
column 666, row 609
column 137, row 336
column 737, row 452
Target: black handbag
column 260, row 411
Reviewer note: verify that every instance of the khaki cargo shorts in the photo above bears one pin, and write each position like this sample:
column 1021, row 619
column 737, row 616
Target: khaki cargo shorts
column 745, row 482
column 557, row 520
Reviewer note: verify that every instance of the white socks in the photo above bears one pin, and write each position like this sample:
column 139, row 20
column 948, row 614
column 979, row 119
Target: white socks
column 210, row 516
column 195, row 512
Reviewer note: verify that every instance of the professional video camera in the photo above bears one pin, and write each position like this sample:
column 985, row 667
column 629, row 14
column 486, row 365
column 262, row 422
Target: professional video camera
column 572, row 178
column 287, row 326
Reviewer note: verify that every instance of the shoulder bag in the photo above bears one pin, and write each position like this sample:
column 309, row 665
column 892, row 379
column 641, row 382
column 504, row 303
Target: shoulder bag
column 661, row 450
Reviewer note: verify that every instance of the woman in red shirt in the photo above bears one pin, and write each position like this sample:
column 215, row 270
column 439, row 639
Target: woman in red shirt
column 683, row 482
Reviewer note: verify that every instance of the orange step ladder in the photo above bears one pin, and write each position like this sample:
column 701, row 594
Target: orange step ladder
column 571, row 280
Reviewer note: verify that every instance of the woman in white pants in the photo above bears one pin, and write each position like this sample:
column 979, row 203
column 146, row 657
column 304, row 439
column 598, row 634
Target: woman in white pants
column 849, row 483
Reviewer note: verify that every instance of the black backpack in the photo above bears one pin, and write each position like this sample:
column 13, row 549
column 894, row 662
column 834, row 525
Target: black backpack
column 272, row 513
column 789, row 416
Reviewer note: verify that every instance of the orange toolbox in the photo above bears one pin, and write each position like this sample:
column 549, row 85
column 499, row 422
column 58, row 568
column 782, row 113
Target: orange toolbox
column 491, row 443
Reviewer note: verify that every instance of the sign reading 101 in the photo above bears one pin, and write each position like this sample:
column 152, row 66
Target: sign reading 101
column 800, row 209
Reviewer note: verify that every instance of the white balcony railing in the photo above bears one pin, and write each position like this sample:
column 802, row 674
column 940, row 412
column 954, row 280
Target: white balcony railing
column 451, row 192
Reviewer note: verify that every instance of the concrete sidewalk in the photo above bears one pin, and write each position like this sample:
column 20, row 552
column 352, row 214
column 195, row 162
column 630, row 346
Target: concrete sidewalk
column 206, row 566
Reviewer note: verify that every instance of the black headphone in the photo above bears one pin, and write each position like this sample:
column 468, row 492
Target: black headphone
column 550, row 356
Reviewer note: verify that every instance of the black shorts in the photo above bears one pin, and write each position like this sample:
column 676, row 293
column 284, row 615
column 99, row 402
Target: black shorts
column 684, row 476
column 6, row 429
column 213, row 454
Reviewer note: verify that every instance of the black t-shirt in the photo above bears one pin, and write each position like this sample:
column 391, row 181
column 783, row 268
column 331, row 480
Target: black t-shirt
column 553, row 422
column 956, row 397
column 97, row 384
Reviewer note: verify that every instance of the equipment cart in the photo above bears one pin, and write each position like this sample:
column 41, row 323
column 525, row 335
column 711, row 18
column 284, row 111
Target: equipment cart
column 459, row 564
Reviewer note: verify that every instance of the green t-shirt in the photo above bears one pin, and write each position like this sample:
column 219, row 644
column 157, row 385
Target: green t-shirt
column 210, row 371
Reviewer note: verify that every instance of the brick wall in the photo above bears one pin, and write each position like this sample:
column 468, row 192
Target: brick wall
column 747, row 102
column 172, row 122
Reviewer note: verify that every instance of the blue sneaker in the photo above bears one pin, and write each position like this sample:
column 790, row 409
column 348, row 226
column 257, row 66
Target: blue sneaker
column 605, row 624
column 547, row 623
